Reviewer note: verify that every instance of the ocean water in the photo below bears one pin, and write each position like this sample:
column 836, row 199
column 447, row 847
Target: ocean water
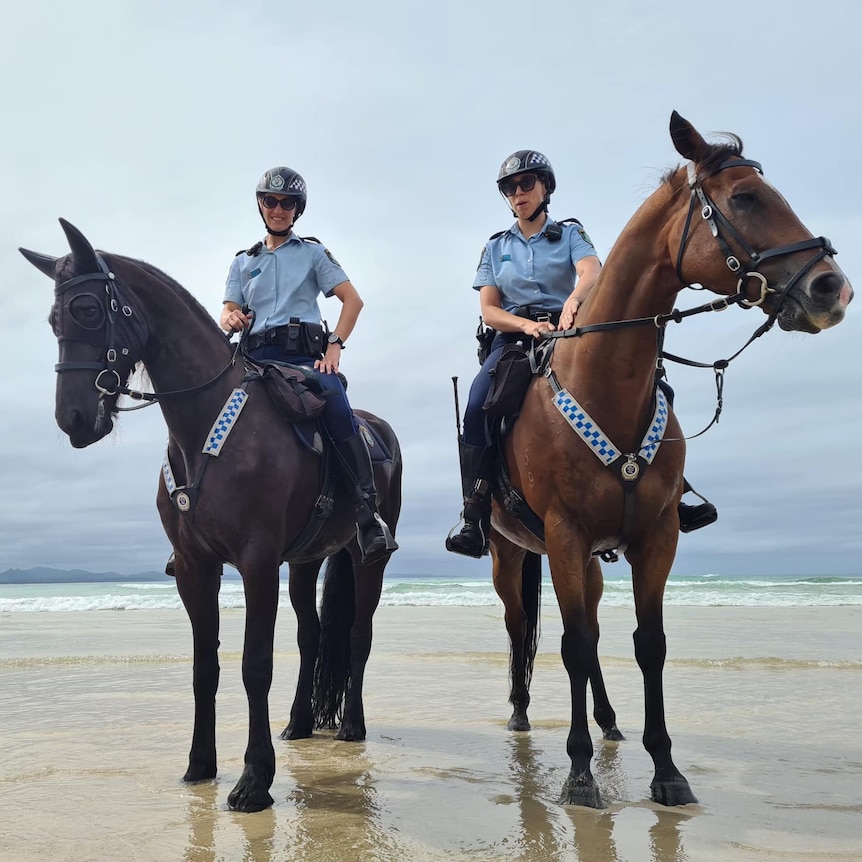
column 426, row 591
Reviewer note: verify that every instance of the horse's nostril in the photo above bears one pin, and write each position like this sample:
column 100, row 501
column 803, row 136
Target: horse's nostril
column 827, row 284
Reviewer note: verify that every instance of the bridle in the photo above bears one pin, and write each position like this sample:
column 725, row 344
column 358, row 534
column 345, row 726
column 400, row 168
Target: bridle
column 717, row 222
column 126, row 334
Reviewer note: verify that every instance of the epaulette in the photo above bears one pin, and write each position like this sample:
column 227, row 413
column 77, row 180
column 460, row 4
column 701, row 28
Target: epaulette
column 571, row 221
column 499, row 233
column 311, row 239
column 254, row 251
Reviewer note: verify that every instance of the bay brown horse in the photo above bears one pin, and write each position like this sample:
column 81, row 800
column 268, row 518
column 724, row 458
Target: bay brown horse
column 713, row 222
column 253, row 502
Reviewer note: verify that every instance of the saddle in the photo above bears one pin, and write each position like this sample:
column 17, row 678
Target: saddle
column 293, row 390
column 510, row 379
column 296, row 393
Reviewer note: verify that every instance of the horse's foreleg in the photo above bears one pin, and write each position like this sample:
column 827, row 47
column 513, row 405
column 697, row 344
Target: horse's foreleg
column 303, row 596
column 603, row 712
column 508, row 573
column 251, row 792
column 568, row 562
column 668, row 786
column 198, row 587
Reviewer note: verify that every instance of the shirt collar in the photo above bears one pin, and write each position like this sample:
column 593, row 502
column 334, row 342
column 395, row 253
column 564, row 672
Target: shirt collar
column 515, row 229
column 291, row 237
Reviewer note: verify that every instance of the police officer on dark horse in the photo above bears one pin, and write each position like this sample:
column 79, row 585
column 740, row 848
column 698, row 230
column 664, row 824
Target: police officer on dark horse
column 532, row 279
column 279, row 280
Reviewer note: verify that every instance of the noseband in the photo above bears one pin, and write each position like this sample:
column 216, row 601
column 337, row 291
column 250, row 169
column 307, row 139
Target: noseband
column 717, row 222
column 121, row 325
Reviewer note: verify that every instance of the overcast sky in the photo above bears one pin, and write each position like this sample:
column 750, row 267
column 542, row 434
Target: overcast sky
column 147, row 124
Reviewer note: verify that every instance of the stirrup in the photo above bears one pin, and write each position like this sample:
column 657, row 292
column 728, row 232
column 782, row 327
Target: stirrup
column 465, row 542
column 692, row 518
column 380, row 544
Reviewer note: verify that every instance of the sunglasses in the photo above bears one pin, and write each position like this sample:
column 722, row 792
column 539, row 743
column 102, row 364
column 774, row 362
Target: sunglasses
column 527, row 184
column 271, row 202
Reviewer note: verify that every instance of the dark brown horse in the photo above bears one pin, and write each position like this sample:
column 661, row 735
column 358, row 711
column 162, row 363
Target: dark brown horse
column 238, row 486
column 714, row 222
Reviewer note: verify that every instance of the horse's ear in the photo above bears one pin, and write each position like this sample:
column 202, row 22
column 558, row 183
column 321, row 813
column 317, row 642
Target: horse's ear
column 688, row 141
column 82, row 252
column 43, row 262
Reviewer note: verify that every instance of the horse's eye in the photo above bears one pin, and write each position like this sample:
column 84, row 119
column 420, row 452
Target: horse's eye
column 744, row 200
column 87, row 311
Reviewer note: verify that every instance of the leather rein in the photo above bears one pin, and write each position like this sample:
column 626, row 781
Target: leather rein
column 717, row 223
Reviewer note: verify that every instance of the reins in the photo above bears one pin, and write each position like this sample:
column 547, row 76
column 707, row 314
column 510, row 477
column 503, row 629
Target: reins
column 716, row 222
column 122, row 325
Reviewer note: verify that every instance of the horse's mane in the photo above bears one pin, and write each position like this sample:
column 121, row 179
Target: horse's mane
column 193, row 304
column 716, row 156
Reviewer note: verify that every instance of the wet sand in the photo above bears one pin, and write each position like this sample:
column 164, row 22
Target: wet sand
column 762, row 706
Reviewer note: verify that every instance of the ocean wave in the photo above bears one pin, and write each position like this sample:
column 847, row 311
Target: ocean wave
column 405, row 591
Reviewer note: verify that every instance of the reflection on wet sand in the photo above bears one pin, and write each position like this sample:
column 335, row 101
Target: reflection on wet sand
column 206, row 820
column 201, row 814
column 336, row 803
column 332, row 812
column 543, row 835
column 665, row 838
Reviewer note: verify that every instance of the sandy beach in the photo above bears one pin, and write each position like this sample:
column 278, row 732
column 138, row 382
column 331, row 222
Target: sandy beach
column 762, row 705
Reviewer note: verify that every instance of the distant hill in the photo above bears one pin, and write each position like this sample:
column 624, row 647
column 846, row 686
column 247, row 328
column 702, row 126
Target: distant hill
column 43, row 575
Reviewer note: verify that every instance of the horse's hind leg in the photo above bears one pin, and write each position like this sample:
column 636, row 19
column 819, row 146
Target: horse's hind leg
column 517, row 581
column 303, row 597
column 649, row 575
column 368, row 584
column 260, row 583
column 603, row 712
column 198, row 585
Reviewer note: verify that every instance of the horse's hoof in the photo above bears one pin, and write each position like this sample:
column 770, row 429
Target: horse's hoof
column 518, row 721
column 581, row 790
column 199, row 772
column 295, row 731
column 675, row 791
column 249, row 799
column 251, row 792
column 351, row 733
column 613, row 734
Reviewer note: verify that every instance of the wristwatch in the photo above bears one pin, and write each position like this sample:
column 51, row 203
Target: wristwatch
column 335, row 339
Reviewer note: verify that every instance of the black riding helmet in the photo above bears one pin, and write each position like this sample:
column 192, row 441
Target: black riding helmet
column 283, row 181
column 529, row 162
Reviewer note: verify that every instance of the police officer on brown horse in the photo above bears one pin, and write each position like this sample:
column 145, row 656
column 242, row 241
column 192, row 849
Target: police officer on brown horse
column 532, row 278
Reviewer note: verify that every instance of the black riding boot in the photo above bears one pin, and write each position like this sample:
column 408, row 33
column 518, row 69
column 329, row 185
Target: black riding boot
column 694, row 517
column 472, row 540
column 372, row 533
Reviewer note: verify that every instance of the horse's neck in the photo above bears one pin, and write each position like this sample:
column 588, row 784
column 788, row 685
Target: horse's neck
column 184, row 350
column 612, row 373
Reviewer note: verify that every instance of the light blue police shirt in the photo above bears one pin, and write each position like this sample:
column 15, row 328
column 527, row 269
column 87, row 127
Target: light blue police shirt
column 284, row 283
column 533, row 271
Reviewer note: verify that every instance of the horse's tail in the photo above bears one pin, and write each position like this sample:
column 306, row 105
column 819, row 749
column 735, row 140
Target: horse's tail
column 332, row 670
column 531, row 598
